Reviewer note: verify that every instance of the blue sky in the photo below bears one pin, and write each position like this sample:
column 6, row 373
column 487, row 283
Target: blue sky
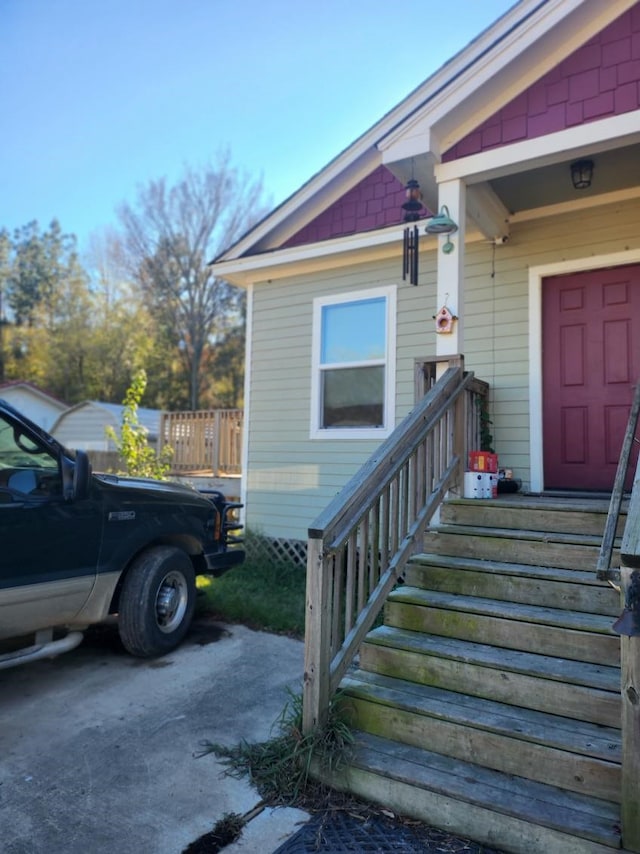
column 99, row 96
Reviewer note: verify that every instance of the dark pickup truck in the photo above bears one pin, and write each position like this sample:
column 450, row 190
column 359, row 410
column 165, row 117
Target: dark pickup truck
column 77, row 547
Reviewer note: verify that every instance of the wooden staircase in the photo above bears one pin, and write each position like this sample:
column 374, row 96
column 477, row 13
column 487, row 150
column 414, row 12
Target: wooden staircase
column 488, row 704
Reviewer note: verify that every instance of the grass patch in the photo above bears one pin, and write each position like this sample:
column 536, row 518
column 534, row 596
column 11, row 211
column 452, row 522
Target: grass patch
column 262, row 594
column 280, row 768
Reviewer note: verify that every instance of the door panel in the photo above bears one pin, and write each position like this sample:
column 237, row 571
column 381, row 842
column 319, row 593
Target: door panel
column 591, row 363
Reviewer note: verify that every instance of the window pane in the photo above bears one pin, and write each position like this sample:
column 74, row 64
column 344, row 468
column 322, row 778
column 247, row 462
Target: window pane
column 353, row 397
column 354, row 331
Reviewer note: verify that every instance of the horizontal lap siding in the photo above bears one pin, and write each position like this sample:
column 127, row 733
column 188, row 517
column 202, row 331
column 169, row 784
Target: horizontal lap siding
column 496, row 308
column 291, row 478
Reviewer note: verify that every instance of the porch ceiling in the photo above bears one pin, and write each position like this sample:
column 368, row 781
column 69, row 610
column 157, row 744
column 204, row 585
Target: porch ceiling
column 618, row 169
column 533, row 185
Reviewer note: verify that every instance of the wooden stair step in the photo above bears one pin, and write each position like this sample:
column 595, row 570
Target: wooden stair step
column 581, row 690
column 529, row 547
column 545, row 515
column 522, row 534
column 513, row 743
column 574, row 736
column 575, row 589
column 548, row 631
column 465, row 798
column 548, row 667
column 559, row 617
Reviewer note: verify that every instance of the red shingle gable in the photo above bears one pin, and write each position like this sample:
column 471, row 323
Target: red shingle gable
column 373, row 203
column 602, row 78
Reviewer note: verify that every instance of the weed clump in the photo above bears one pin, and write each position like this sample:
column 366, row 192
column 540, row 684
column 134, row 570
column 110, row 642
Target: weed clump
column 281, row 767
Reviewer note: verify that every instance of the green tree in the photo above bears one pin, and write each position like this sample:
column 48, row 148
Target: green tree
column 170, row 235
column 139, row 457
column 124, row 335
column 42, row 262
column 226, row 371
column 46, row 315
column 78, row 330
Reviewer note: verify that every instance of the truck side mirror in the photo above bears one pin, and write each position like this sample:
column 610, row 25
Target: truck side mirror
column 81, row 475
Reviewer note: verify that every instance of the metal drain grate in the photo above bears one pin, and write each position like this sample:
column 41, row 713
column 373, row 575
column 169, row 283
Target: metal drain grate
column 341, row 833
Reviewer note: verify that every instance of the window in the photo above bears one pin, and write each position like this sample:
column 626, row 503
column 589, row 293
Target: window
column 353, row 384
column 26, row 467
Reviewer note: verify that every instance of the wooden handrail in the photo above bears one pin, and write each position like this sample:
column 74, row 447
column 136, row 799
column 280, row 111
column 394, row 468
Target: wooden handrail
column 359, row 546
column 629, row 645
column 603, row 566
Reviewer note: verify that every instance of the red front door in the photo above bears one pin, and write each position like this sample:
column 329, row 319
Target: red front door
column 590, row 366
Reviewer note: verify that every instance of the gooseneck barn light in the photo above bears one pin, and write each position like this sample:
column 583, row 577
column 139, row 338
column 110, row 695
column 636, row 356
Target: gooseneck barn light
column 442, row 224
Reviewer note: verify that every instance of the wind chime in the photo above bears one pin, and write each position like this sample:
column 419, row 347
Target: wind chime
column 412, row 207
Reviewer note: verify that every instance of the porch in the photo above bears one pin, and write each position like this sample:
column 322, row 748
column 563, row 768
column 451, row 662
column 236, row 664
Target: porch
column 488, row 701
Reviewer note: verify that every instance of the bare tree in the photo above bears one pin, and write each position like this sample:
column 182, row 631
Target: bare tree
column 170, row 234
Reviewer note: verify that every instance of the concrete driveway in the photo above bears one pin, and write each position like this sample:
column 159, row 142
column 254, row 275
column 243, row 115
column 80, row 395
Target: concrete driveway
column 99, row 750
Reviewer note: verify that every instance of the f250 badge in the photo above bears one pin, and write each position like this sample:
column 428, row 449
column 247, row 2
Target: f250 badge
column 122, row 515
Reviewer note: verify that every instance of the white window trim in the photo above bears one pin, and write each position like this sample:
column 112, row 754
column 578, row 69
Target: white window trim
column 390, row 294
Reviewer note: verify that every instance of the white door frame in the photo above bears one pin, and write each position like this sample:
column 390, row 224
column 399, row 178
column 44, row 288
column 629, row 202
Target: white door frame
column 536, row 276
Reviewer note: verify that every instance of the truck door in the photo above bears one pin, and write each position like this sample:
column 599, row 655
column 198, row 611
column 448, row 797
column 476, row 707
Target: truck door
column 49, row 543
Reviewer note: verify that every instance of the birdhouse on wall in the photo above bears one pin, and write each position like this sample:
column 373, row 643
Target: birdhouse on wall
column 444, row 321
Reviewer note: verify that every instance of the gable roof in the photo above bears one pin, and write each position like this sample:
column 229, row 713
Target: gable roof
column 503, row 61
column 112, row 413
column 36, row 392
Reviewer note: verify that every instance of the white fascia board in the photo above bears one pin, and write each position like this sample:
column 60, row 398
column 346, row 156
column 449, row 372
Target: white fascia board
column 555, row 32
column 324, row 255
column 435, row 95
column 520, row 54
column 310, row 201
column 590, row 138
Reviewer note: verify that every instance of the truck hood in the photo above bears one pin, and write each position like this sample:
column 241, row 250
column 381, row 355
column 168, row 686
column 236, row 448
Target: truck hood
column 178, row 491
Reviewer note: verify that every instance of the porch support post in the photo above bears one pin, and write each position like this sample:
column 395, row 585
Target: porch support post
column 630, row 651
column 450, row 291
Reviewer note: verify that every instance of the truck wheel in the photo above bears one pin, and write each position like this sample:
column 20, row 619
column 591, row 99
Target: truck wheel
column 157, row 602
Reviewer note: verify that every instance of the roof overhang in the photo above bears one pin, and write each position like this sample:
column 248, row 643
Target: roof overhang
column 504, row 60
column 312, row 257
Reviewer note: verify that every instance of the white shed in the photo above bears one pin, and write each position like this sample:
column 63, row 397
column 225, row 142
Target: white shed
column 42, row 408
column 84, row 426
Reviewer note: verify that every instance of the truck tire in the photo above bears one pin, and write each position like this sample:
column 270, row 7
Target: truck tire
column 157, row 602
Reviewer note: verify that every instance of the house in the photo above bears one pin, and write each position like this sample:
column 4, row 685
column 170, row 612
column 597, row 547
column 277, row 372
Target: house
column 83, row 426
column 41, row 407
column 520, row 159
column 542, row 279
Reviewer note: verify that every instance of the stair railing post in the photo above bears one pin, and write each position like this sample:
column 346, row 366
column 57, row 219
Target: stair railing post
column 315, row 694
column 630, row 665
column 460, row 415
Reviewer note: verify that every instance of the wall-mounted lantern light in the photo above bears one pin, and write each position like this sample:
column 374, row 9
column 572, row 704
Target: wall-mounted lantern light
column 581, row 174
column 413, row 201
column 411, row 207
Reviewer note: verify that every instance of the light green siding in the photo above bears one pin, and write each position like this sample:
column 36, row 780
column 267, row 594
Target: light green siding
column 290, row 477
column 497, row 308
